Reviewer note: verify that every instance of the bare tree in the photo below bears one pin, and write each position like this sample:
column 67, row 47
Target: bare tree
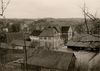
column 4, row 6
column 85, row 17
column 87, row 14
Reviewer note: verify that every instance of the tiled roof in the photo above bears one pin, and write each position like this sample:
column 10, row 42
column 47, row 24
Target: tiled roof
column 77, row 44
column 48, row 32
column 65, row 29
column 84, row 40
column 90, row 38
column 58, row 29
column 50, row 59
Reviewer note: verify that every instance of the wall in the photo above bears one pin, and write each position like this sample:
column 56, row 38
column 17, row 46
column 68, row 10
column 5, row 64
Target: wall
column 51, row 42
column 70, row 33
column 34, row 38
column 72, row 64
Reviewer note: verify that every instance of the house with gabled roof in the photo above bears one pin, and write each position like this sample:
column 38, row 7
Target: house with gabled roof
column 50, row 38
column 67, row 33
column 85, row 42
column 49, row 60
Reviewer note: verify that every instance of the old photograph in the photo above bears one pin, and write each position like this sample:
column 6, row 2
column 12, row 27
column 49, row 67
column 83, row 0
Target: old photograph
column 49, row 35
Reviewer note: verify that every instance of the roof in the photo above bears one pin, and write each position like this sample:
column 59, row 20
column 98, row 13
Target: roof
column 77, row 44
column 88, row 37
column 36, row 32
column 65, row 29
column 83, row 44
column 48, row 32
column 84, row 40
column 57, row 28
column 20, row 43
column 50, row 59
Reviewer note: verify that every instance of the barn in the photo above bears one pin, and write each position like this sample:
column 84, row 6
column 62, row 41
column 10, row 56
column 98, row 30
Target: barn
column 49, row 60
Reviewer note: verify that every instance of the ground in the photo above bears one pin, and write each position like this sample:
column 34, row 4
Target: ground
column 86, row 61
column 9, row 56
column 94, row 64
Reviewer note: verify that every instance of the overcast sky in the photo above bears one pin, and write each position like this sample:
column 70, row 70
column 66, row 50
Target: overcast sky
column 50, row 8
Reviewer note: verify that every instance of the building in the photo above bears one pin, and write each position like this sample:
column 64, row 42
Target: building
column 20, row 44
column 85, row 42
column 70, row 33
column 48, row 60
column 35, row 35
column 50, row 38
column 67, row 33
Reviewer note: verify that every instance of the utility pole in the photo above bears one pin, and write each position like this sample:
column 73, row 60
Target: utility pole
column 25, row 54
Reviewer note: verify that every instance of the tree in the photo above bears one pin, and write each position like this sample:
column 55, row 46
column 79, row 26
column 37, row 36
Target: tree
column 2, row 37
column 84, row 10
column 4, row 5
column 79, row 28
column 93, row 21
column 14, row 28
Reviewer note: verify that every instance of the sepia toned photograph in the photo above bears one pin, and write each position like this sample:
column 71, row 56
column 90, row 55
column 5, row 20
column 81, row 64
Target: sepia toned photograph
column 49, row 35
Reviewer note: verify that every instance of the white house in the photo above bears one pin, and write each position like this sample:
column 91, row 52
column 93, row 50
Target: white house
column 50, row 38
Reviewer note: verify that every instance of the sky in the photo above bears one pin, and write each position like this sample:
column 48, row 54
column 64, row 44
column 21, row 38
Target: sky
column 50, row 8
